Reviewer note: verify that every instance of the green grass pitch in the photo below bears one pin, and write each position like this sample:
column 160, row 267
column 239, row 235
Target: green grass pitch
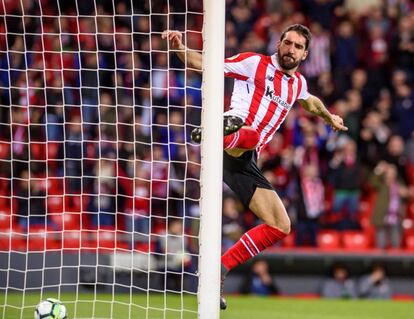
column 143, row 307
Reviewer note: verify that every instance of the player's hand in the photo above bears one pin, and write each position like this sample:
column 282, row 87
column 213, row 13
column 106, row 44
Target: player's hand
column 337, row 123
column 175, row 37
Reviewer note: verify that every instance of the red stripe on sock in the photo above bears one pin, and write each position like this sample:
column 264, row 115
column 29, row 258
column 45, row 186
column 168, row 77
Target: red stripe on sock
column 229, row 140
column 256, row 239
column 246, row 138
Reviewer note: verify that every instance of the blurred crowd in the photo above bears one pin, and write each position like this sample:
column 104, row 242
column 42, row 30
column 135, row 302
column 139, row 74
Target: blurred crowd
column 92, row 119
column 361, row 64
column 95, row 115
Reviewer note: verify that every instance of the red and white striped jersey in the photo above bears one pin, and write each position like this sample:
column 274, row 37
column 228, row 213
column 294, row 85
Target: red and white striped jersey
column 262, row 94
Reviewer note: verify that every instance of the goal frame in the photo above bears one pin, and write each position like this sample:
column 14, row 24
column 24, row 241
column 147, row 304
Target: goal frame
column 211, row 160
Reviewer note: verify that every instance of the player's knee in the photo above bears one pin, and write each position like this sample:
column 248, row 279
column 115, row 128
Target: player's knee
column 285, row 226
column 282, row 224
column 283, row 221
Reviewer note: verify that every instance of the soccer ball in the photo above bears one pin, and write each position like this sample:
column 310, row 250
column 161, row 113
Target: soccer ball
column 50, row 309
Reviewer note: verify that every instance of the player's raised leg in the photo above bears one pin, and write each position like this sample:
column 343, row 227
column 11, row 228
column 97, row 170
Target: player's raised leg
column 267, row 205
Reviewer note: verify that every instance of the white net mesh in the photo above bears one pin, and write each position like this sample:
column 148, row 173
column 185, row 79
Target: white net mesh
column 99, row 182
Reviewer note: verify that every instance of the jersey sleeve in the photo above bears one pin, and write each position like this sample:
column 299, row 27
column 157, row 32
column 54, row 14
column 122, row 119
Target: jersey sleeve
column 241, row 66
column 303, row 93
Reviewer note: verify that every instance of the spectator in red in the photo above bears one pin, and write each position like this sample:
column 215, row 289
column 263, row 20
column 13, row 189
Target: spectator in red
column 309, row 205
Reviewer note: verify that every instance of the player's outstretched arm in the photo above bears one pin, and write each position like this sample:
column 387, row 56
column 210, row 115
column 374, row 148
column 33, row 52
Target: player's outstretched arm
column 315, row 106
column 194, row 59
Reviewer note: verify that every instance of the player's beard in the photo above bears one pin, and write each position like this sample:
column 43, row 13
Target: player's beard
column 286, row 63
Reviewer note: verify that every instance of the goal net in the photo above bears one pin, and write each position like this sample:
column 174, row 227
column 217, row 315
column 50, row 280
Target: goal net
column 99, row 180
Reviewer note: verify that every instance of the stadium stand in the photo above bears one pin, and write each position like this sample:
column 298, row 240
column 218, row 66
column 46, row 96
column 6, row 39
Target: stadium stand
column 361, row 62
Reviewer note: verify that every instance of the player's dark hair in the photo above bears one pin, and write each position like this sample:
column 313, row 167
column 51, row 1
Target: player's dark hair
column 302, row 30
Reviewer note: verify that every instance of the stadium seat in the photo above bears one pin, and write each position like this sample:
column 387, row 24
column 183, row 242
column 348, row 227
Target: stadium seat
column 4, row 240
column 410, row 210
column 289, row 241
column 52, row 240
column 37, row 238
column 5, row 204
column 18, row 243
column 18, row 238
column 89, row 240
column 42, row 241
column 106, row 239
column 5, row 220
column 37, row 243
column 328, row 239
column 122, row 245
column 12, row 241
column 71, row 239
column 65, row 221
column 365, row 208
column 410, row 172
column 365, row 222
column 71, row 221
column 355, row 240
column 409, row 241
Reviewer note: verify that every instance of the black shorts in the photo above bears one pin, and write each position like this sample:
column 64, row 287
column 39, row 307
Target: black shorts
column 243, row 176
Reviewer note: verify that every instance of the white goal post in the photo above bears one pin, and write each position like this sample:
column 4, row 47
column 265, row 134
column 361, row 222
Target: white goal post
column 105, row 202
column 211, row 159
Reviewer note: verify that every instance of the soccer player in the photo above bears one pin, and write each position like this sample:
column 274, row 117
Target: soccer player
column 265, row 89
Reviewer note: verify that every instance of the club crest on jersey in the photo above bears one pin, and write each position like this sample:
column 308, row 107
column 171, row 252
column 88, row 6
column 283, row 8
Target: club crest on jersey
column 277, row 99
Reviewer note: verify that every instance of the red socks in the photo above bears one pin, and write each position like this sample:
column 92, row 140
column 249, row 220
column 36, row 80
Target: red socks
column 250, row 244
column 245, row 137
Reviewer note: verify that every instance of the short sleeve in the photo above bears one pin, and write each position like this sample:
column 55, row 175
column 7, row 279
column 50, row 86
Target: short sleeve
column 303, row 87
column 241, row 66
